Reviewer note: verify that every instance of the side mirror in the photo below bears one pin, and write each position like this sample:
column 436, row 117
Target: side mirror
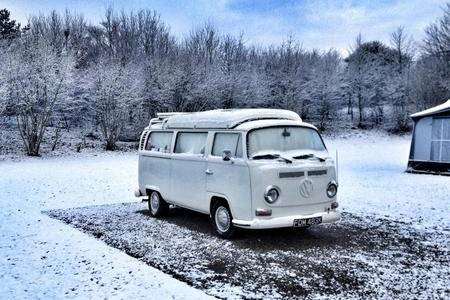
column 226, row 155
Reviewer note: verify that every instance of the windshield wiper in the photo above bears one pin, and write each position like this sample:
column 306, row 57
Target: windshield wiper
column 306, row 156
column 271, row 156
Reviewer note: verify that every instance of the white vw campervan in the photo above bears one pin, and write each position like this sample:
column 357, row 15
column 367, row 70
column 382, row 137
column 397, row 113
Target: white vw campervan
column 248, row 168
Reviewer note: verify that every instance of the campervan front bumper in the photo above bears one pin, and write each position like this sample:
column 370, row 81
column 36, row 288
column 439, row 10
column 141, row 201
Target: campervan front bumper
column 288, row 221
column 137, row 193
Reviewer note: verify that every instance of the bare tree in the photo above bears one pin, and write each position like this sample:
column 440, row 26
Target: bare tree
column 437, row 37
column 324, row 88
column 404, row 47
column 355, row 73
column 37, row 79
column 436, row 47
column 130, row 66
column 114, row 88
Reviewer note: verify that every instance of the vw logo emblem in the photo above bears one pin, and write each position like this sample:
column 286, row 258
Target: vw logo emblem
column 306, row 188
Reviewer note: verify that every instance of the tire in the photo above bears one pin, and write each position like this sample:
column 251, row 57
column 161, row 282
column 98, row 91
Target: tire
column 156, row 205
column 222, row 221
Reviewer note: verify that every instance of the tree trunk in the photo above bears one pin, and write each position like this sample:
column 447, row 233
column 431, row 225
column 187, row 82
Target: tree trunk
column 361, row 111
column 31, row 138
column 350, row 107
column 34, row 146
column 56, row 138
column 110, row 145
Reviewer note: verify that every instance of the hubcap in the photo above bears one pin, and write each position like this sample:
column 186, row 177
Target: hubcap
column 223, row 219
column 154, row 202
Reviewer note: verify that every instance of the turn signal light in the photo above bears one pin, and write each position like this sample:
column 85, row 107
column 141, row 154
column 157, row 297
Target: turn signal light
column 261, row 212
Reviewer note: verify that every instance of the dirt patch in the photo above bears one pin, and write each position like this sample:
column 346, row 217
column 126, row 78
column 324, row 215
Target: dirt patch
column 357, row 257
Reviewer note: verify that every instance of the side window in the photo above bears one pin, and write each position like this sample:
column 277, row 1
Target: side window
column 440, row 140
column 191, row 142
column 227, row 141
column 159, row 141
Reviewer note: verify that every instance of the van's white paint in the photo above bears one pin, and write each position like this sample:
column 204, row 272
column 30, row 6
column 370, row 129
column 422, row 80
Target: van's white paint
column 188, row 182
column 192, row 181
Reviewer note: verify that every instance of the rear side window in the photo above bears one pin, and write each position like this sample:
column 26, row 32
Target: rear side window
column 227, row 141
column 191, row 142
column 159, row 141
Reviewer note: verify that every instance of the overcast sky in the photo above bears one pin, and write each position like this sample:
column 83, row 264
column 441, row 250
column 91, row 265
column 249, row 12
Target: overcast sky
column 316, row 24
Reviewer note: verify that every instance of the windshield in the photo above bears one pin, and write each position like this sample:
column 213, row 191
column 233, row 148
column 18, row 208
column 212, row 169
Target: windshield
column 283, row 139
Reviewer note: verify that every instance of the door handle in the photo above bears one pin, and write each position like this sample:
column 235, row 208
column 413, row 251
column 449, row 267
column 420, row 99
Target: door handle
column 209, row 172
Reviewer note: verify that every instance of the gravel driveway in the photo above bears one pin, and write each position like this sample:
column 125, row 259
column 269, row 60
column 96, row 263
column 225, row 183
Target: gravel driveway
column 357, row 257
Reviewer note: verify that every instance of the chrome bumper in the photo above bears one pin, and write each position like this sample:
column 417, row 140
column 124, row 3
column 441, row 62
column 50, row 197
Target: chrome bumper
column 268, row 222
column 137, row 193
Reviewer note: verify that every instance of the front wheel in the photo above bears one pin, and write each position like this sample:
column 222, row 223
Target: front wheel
column 156, row 204
column 222, row 221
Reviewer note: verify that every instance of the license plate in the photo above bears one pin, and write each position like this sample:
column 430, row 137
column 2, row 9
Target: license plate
column 307, row 222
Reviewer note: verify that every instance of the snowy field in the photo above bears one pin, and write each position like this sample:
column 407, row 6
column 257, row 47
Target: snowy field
column 42, row 257
column 373, row 182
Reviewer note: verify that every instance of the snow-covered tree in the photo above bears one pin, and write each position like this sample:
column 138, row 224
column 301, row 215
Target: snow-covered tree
column 356, row 76
column 399, row 84
column 3, row 83
column 37, row 79
column 114, row 88
column 130, row 66
column 323, row 88
column 437, row 37
column 434, row 63
column 372, row 74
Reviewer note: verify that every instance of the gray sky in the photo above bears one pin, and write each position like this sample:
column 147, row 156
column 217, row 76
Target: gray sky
column 317, row 24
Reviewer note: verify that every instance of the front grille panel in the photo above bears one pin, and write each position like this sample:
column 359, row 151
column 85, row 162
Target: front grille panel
column 317, row 172
column 291, row 174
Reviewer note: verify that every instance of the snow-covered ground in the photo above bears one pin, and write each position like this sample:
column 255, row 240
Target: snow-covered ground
column 42, row 257
column 373, row 182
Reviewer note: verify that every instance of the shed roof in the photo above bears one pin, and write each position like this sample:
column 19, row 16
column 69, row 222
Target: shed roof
column 227, row 118
column 432, row 111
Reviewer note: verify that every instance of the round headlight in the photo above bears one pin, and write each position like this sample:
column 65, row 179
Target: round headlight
column 271, row 195
column 332, row 189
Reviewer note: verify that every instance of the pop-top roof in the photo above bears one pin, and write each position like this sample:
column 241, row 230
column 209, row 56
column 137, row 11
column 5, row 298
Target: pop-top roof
column 227, row 118
column 432, row 111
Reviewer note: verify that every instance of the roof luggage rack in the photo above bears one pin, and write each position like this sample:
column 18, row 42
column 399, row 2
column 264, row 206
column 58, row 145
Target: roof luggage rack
column 161, row 117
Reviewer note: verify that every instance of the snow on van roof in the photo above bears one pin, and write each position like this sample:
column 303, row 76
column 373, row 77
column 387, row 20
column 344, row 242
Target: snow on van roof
column 268, row 123
column 227, row 118
column 434, row 110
